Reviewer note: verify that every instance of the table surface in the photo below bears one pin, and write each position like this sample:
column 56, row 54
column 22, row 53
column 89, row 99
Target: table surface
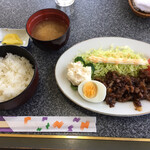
column 89, row 19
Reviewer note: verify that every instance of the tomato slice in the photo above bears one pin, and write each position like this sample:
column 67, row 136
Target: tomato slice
column 148, row 69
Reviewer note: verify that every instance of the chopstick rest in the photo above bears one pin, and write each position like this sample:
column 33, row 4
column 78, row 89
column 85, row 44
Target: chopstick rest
column 47, row 124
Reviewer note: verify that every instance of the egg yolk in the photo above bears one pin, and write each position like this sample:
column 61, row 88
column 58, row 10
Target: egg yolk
column 90, row 90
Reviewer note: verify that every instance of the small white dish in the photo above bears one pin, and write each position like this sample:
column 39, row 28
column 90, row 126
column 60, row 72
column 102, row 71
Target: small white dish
column 20, row 32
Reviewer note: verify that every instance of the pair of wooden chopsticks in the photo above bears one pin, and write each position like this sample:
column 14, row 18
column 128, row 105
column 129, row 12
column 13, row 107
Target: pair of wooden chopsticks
column 3, row 124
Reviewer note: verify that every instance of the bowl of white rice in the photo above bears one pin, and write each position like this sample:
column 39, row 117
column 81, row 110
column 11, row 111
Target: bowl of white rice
column 18, row 76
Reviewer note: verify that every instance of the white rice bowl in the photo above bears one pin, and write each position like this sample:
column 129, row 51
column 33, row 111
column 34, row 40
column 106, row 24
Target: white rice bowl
column 16, row 74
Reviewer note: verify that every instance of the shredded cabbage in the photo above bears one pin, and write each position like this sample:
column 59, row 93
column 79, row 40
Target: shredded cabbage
column 101, row 69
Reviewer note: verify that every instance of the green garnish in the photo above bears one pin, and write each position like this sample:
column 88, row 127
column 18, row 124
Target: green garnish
column 92, row 69
column 92, row 66
column 79, row 58
column 75, row 88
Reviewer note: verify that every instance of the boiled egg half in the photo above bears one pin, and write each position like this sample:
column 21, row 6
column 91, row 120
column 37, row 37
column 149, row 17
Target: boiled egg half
column 92, row 91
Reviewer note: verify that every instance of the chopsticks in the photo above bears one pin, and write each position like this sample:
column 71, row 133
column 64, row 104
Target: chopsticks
column 3, row 124
column 47, row 124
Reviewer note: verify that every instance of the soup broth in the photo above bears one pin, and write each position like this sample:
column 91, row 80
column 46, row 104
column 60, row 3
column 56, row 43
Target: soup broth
column 49, row 29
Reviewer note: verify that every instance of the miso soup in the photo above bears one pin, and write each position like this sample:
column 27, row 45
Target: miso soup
column 51, row 29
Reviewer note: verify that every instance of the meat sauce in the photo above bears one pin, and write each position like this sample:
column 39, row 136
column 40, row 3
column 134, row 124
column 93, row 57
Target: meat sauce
column 123, row 88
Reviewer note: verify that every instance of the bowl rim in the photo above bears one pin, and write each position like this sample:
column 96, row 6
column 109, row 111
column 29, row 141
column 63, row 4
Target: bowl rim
column 140, row 13
column 34, row 74
column 68, row 28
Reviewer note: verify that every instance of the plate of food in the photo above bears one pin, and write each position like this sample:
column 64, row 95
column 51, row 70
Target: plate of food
column 107, row 75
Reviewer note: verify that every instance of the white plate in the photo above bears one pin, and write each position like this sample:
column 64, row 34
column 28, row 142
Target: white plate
column 120, row 109
column 20, row 32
